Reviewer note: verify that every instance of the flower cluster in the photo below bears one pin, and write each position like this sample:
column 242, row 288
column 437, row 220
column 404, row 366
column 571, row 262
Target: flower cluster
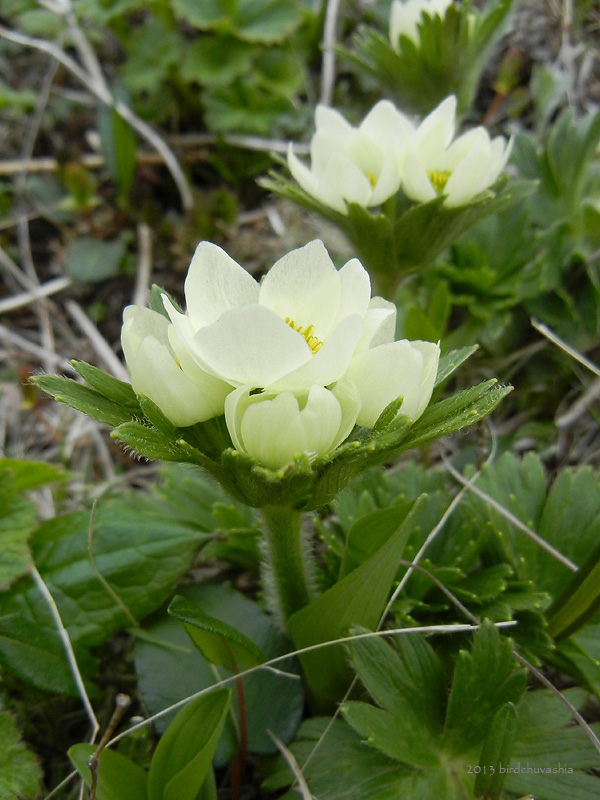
column 294, row 362
column 367, row 165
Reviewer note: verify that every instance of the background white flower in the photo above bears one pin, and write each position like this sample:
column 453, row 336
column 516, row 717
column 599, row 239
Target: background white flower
column 460, row 169
column 405, row 16
column 354, row 165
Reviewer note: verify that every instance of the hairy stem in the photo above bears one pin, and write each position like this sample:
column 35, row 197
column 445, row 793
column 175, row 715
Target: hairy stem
column 286, row 572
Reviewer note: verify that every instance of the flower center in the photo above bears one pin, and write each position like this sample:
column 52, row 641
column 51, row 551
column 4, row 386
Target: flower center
column 439, row 179
column 313, row 343
column 371, row 178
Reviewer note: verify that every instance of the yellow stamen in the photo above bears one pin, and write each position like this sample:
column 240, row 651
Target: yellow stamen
column 439, row 179
column 313, row 343
column 371, row 178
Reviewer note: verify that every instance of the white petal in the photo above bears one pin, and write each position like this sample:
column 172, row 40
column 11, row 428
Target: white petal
column 271, row 431
column 343, row 180
column 475, row 139
column 435, row 133
column 322, row 145
column 139, row 322
column 302, row 174
column 321, row 418
column 330, row 362
column 215, row 284
column 347, row 395
column 330, row 121
column 355, row 289
column 156, row 375
column 468, row 179
column 385, row 373
column 250, row 345
column 500, row 155
column 304, row 285
column 387, row 183
column 431, row 358
column 415, row 181
column 388, row 126
column 366, row 154
column 181, row 322
column 379, row 324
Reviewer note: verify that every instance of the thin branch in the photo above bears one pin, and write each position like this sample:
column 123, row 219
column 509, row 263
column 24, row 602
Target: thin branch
column 100, row 91
column 20, row 342
column 37, row 293
column 542, row 543
column 328, row 63
column 99, row 343
column 68, row 647
column 144, row 265
column 555, row 339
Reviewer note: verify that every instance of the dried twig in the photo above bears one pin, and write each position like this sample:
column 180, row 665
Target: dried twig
column 328, row 63
column 36, row 293
column 99, row 343
column 144, row 265
column 101, row 92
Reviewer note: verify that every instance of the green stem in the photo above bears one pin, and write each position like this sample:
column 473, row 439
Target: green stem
column 286, row 576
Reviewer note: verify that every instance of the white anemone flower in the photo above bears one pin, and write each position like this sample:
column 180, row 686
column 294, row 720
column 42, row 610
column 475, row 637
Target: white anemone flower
column 459, row 169
column 294, row 362
column 273, row 427
column 161, row 368
column 406, row 16
column 354, row 165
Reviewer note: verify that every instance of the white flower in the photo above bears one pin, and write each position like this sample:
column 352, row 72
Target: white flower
column 273, row 427
column 405, row 17
column 435, row 165
column 354, row 165
column 162, row 369
column 299, row 327
column 293, row 362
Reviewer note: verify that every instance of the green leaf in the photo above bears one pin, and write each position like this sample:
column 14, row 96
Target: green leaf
column 484, row 680
column 149, row 442
column 119, row 146
column 265, row 21
column 84, row 399
column 118, row 777
column 496, row 752
column 358, row 599
column 140, row 549
column 456, row 412
column 409, row 685
column 449, row 362
column 20, row 773
column 34, row 653
column 183, row 758
column 369, row 533
column 88, row 259
column 218, row 642
column 272, row 701
column 109, row 387
column 216, row 60
column 579, row 600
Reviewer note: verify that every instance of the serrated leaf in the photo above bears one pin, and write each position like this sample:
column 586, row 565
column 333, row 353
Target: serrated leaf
column 409, row 685
column 449, row 362
column 182, row 760
column 456, row 412
column 83, row 399
column 369, row 533
column 496, row 752
column 484, row 680
column 357, row 599
column 108, row 386
column 20, row 773
column 149, row 442
column 218, row 642
column 118, row 777
column 266, row 21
